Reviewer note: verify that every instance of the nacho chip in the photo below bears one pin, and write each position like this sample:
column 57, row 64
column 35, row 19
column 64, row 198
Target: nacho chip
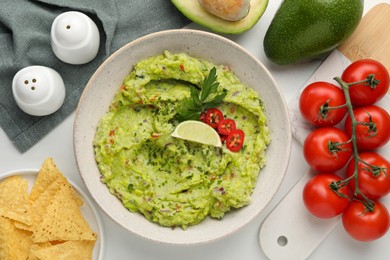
column 22, row 226
column 14, row 203
column 72, row 250
column 38, row 207
column 64, row 183
column 63, row 220
column 46, row 176
column 36, row 247
column 14, row 243
column 45, row 225
column 3, row 239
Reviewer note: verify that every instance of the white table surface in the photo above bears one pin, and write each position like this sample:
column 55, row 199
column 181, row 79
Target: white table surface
column 121, row 244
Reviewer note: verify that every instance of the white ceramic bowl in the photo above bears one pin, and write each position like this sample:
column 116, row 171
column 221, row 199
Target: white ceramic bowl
column 106, row 81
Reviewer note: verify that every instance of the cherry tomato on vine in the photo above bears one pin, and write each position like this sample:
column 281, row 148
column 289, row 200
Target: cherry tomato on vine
column 316, row 100
column 363, row 94
column 373, row 175
column 235, row 140
column 213, row 117
column 226, row 126
column 364, row 225
column 327, row 149
column 321, row 200
column 373, row 129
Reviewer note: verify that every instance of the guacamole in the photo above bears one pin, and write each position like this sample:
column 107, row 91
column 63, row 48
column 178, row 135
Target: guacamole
column 171, row 181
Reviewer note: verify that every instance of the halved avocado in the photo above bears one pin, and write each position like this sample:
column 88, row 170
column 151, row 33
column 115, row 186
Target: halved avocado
column 196, row 13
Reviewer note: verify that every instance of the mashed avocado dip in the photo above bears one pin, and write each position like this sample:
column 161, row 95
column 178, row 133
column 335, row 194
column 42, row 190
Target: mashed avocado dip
column 171, row 181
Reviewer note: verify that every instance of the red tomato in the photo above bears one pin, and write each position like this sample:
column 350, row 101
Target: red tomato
column 213, row 117
column 373, row 175
column 226, row 126
column 223, row 138
column 374, row 135
column 321, row 151
column 202, row 117
column 315, row 100
column 363, row 94
column 321, row 200
column 235, row 140
column 364, row 225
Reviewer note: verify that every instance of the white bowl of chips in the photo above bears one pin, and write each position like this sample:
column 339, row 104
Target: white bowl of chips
column 107, row 81
column 42, row 216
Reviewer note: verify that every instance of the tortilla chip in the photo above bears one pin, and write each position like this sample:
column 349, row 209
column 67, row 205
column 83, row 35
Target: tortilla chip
column 14, row 203
column 22, row 226
column 64, row 182
column 49, row 175
column 45, row 225
column 72, row 250
column 14, row 243
column 36, row 247
column 3, row 240
column 63, row 220
column 38, row 207
column 46, row 176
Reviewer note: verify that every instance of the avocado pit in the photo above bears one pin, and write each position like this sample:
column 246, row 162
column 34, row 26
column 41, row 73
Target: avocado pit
column 230, row 10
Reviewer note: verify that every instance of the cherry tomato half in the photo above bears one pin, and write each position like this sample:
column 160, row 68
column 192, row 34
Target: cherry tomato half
column 315, row 101
column 223, row 138
column 364, row 225
column 235, row 140
column 321, row 200
column 370, row 136
column 226, row 126
column 363, row 94
column 326, row 149
column 213, row 117
column 202, row 117
column 373, row 175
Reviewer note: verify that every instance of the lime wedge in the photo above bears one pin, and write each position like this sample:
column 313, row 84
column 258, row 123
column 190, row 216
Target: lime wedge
column 196, row 131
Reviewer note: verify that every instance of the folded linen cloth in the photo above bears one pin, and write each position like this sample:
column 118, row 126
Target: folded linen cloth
column 25, row 41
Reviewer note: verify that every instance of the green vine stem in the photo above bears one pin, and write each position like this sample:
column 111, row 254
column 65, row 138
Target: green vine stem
column 370, row 81
column 345, row 87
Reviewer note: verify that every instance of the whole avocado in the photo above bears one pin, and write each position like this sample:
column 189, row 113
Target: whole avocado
column 305, row 29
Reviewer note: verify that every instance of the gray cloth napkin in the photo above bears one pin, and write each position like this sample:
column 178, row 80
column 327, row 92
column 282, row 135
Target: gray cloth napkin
column 25, row 41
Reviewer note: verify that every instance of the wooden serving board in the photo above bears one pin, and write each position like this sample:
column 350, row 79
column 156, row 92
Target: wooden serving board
column 289, row 231
column 371, row 39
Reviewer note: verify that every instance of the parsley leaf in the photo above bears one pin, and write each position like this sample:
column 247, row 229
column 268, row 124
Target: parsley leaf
column 210, row 85
column 205, row 98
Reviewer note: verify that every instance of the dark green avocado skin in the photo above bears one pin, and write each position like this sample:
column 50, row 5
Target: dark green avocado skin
column 306, row 29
